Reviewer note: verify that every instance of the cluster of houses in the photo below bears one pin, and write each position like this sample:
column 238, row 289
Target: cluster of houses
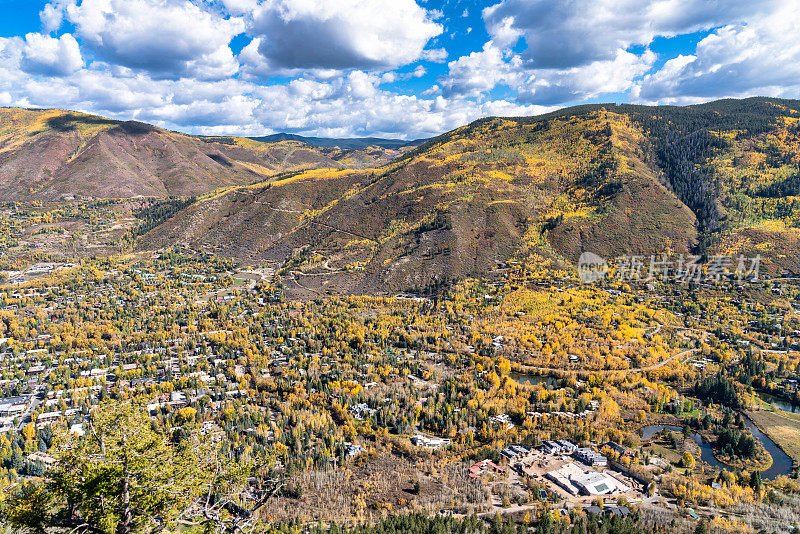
column 618, row 510
column 37, row 269
column 484, row 467
column 512, row 453
column 567, row 448
column 515, row 453
column 590, row 457
column 12, row 406
column 360, row 410
column 48, row 418
column 176, row 400
column 575, row 477
column 502, row 420
column 588, row 412
column 560, row 446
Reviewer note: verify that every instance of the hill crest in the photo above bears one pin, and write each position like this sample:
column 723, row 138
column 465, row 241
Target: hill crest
column 716, row 178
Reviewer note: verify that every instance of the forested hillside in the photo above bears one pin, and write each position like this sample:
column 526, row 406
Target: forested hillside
column 464, row 204
column 716, row 178
column 610, row 179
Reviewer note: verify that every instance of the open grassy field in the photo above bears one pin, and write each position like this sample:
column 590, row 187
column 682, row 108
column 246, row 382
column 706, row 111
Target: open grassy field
column 783, row 428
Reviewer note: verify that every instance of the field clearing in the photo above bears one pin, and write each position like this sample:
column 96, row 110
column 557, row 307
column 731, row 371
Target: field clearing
column 784, row 430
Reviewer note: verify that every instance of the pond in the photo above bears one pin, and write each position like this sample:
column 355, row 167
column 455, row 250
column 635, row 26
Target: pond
column 781, row 462
column 780, row 404
column 523, row 378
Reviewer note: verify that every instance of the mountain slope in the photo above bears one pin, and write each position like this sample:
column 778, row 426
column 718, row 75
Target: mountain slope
column 45, row 154
column 489, row 192
column 717, row 178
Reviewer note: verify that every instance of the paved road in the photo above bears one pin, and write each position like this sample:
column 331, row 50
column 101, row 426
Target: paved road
column 25, row 417
column 663, row 363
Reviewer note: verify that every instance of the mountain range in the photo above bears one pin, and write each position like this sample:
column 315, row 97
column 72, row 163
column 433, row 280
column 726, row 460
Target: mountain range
column 715, row 178
column 341, row 142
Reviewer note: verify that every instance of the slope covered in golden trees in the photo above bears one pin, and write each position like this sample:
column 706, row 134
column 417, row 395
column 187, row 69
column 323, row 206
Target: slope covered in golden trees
column 491, row 192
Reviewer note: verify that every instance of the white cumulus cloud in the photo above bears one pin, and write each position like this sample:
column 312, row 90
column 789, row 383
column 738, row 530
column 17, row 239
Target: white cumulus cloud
column 481, row 71
column 761, row 57
column 167, row 38
column 554, row 86
column 340, row 34
column 563, row 34
column 555, row 51
column 42, row 54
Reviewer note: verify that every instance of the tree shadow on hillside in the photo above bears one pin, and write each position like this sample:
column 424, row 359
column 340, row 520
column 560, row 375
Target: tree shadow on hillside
column 70, row 121
column 134, row 128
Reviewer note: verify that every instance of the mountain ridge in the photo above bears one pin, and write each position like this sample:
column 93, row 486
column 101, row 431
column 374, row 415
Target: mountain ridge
column 716, row 178
column 612, row 180
column 47, row 154
column 453, row 211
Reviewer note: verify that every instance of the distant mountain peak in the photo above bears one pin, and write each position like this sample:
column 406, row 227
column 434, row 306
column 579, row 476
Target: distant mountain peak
column 345, row 143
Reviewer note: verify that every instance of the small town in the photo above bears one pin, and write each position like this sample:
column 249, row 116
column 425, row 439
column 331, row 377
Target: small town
column 272, row 376
column 399, row 267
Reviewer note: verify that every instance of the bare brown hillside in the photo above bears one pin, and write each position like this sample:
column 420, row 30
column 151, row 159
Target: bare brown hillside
column 46, row 154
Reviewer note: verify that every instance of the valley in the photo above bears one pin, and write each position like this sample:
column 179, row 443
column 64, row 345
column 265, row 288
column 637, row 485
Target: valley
column 366, row 336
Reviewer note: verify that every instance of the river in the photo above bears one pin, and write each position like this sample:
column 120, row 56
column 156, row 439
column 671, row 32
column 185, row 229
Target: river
column 781, row 462
column 706, row 453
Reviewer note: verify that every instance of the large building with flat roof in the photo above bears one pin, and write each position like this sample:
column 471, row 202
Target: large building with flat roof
column 579, row 481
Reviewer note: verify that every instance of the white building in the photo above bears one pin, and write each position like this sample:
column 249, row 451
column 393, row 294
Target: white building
column 561, row 446
column 11, row 406
column 578, row 481
column 429, row 442
column 590, row 457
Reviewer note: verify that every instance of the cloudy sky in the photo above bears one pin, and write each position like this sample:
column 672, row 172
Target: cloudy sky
column 391, row 68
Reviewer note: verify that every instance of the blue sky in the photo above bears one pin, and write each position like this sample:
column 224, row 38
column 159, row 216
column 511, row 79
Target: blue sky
column 393, row 68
